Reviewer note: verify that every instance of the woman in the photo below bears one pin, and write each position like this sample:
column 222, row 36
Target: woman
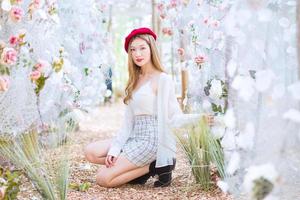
column 144, row 146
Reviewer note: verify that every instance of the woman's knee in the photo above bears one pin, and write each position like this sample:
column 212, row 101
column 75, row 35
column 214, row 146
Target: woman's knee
column 103, row 179
column 89, row 153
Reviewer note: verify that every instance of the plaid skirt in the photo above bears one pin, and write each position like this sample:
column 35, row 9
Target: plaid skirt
column 141, row 146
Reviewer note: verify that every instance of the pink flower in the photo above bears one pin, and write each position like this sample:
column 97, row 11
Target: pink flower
column 205, row 21
column 8, row 56
column 13, row 40
column 200, row 59
column 181, row 51
column 163, row 15
column 35, row 75
column 36, row 3
column 40, row 65
column 215, row 23
column 102, row 7
column 19, row 1
column 173, row 3
column 160, row 7
column 167, row 31
column 16, row 14
column 4, row 83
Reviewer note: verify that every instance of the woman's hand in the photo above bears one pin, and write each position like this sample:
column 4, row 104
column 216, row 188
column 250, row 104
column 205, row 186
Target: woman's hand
column 110, row 161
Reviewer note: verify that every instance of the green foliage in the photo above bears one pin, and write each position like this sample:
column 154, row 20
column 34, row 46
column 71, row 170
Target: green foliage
column 4, row 70
column 82, row 187
column 11, row 183
column 262, row 187
column 217, row 109
column 58, row 64
column 40, row 83
column 48, row 169
column 64, row 112
column 203, row 151
column 86, row 71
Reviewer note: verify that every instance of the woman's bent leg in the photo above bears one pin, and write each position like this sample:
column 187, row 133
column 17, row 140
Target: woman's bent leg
column 122, row 172
column 96, row 152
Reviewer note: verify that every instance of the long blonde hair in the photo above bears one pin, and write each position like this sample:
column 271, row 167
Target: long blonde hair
column 135, row 70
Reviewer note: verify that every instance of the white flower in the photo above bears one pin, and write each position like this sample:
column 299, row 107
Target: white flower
column 246, row 138
column 243, row 16
column 228, row 141
column 231, row 67
column 284, row 22
column 278, row 91
column 291, row 3
column 265, row 15
column 266, row 171
column 294, row 89
column 108, row 93
column 245, row 87
column 42, row 14
column 6, row 5
column 206, row 105
column 229, row 119
column 291, row 50
column 293, row 115
column 223, row 186
column 216, row 90
column 234, row 163
column 264, row 80
column 218, row 131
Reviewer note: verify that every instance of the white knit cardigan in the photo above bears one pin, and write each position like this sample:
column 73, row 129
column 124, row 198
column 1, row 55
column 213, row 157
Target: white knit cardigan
column 169, row 115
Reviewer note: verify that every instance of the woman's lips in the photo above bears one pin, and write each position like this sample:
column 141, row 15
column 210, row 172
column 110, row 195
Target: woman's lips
column 139, row 60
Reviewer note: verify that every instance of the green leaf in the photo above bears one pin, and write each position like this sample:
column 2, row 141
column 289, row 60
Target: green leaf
column 86, row 71
column 84, row 186
column 64, row 112
column 40, row 83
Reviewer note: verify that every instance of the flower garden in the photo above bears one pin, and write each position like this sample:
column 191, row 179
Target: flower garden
column 63, row 70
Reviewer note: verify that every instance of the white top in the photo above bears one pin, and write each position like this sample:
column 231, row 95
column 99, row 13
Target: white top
column 169, row 115
column 143, row 100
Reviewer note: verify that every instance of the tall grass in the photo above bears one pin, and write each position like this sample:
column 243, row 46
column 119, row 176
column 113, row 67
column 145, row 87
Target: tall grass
column 47, row 167
column 203, row 152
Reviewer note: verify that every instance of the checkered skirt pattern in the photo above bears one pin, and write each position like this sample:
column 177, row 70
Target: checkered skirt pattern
column 141, row 147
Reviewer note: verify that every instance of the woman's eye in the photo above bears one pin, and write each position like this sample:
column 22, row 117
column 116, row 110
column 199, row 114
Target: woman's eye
column 132, row 49
column 143, row 48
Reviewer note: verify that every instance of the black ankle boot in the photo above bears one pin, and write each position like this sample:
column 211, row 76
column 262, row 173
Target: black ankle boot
column 140, row 180
column 164, row 175
column 143, row 179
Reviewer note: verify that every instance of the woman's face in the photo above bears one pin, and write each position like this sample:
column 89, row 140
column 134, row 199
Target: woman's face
column 140, row 52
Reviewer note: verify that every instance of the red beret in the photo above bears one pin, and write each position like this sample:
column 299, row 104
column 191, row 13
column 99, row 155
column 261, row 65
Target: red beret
column 135, row 32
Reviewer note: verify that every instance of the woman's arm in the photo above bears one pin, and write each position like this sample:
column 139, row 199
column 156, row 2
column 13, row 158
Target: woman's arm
column 123, row 133
column 176, row 117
